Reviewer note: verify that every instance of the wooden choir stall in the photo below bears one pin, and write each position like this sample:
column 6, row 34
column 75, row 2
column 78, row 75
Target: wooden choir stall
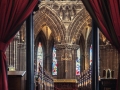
column 107, row 82
column 44, row 80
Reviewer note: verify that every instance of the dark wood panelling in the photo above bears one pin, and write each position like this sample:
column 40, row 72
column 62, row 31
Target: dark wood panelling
column 108, row 59
column 16, row 80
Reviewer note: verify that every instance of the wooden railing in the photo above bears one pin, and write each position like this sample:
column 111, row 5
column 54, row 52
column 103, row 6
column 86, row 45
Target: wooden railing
column 84, row 81
column 107, row 81
column 43, row 80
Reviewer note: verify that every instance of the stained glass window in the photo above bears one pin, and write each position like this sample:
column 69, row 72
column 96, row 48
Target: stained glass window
column 90, row 55
column 78, row 62
column 39, row 56
column 54, row 63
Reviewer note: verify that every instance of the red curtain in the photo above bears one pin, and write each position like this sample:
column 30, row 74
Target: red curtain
column 106, row 13
column 12, row 15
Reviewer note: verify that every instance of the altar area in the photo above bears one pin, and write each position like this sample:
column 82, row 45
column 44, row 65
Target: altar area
column 65, row 84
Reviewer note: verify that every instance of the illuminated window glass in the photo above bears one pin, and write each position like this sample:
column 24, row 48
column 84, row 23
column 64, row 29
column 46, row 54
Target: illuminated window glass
column 78, row 62
column 90, row 55
column 39, row 56
column 54, row 63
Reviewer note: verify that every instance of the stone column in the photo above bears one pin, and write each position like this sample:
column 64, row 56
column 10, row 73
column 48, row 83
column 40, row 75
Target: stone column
column 87, row 48
column 87, row 56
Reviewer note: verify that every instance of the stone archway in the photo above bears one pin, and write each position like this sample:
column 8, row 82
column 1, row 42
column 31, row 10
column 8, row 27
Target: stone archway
column 47, row 16
column 41, row 38
column 79, row 23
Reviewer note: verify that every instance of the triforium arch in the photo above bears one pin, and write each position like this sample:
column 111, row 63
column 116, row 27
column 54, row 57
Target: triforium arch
column 47, row 16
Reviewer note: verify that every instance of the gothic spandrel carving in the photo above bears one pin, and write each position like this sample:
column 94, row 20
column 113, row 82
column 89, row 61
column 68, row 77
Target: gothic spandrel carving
column 64, row 17
column 66, row 45
column 66, row 10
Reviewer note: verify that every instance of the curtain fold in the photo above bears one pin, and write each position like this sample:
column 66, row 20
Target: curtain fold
column 12, row 15
column 106, row 13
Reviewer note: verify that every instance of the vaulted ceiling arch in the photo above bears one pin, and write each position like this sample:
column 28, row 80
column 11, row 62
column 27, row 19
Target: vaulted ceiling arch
column 47, row 16
column 81, row 20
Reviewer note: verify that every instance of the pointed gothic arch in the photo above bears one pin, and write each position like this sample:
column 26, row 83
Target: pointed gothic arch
column 75, row 27
column 47, row 16
column 41, row 38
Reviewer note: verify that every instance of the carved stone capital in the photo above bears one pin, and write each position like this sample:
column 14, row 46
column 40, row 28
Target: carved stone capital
column 66, row 46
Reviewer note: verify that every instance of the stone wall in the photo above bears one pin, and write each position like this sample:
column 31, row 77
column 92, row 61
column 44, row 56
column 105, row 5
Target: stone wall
column 16, row 54
column 108, row 59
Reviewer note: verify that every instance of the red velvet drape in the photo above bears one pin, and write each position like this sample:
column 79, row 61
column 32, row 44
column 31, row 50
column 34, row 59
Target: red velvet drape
column 12, row 15
column 106, row 13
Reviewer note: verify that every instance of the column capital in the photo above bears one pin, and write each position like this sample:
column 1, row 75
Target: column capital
column 67, row 46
